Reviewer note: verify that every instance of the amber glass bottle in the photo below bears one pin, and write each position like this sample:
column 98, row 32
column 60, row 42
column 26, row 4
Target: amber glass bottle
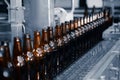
column 72, row 41
column 38, row 53
column 5, row 63
column 65, row 45
column 77, row 42
column 19, row 65
column 59, row 42
column 29, row 57
column 80, row 37
column 83, row 35
column 47, row 52
column 53, row 53
column 8, row 68
column 69, row 59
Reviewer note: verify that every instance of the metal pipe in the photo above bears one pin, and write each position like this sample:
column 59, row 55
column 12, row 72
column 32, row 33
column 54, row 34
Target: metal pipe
column 73, row 6
column 7, row 3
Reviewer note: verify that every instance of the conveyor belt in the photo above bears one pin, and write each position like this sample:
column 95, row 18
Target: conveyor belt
column 80, row 68
column 104, row 64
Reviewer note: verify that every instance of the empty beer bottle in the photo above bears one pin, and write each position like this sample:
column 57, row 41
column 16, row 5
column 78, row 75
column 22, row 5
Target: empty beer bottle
column 88, row 33
column 83, row 35
column 59, row 43
column 77, row 42
column 80, row 37
column 72, row 41
column 18, row 61
column 7, row 67
column 69, row 58
column 47, row 52
column 5, row 64
column 65, row 45
column 53, row 53
column 38, row 53
column 29, row 57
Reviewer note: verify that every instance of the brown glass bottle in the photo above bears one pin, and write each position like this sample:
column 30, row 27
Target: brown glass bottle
column 80, row 38
column 7, row 52
column 59, row 42
column 47, row 52
column 83, row 29
column 77, row 42
column 8, row 68
column 19, row 65
column 53, row 54
column 38, row 53
column 69, row 43
column 72, row 41
column 65, row 46
column 87, row 33
column 29, row 57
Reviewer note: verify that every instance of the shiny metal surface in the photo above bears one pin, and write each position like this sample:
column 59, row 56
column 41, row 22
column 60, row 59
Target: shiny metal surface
column 80, row 68
column 108, row 67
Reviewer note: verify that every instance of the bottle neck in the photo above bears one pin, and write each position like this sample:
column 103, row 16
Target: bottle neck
column 37, row 40
column 71, row 26
column 58, row 32
column 79, row 23
column 63, row 29
column 76, row 24
column 45, row 39
column 27, row 44
column 67, row 28
column 7, row 52
column 17, row 50
column 18, row 60
column 50, row 34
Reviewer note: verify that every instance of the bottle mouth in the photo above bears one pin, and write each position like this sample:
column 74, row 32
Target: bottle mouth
column 44, row 29
column 50, row 28
column 36, row 32
column 17, row 39
column 1, row 48
column 5, row 43
column 27, row 35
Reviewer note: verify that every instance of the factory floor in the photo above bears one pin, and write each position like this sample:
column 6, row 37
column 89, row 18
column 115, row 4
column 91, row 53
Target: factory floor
column 102, row 62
